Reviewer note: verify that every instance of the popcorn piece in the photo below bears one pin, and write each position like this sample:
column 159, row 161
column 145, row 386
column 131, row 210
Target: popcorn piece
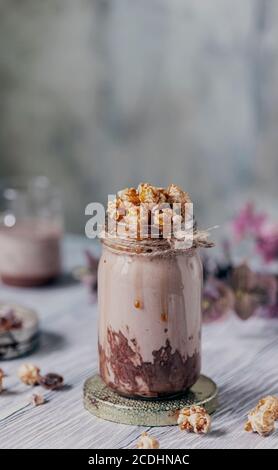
column 194, row 419
column 129, row 195
column 272, row 403
column 147, row 442
column 1, row 380
column 177, row 220
column 261, row 418
column 176, row 194
column 29, row 374
column 261, row 422
column 132, row 222
column 115, row 209
column 132, row 216
column 163, row 195
column 162, row 216
column 37, row 399
column 148, row 194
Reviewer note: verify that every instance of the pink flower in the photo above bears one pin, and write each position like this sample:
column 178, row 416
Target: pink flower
column 267, row 242
column 248, row 221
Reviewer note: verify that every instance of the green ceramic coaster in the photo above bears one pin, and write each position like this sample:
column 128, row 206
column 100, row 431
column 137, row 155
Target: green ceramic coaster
column 104, row 403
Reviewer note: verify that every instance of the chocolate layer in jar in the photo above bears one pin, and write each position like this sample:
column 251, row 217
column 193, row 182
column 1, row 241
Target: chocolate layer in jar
column 30, row 253
column 150, row 321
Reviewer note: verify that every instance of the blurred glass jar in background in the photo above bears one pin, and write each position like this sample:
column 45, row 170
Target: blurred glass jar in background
column 31, row 228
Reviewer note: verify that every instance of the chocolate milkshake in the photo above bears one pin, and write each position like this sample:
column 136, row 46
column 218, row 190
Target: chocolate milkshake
column 150, row 309
column 30, row 253
column 150, row 323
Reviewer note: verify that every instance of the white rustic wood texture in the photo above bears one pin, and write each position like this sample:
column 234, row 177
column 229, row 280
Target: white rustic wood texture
column 241, row 357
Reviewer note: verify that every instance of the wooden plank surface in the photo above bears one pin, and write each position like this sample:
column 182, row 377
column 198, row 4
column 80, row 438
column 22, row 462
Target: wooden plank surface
column 241, row 357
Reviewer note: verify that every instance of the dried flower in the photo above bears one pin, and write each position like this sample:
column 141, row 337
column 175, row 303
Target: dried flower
column 147, row 442
column 29, row 374
column 51, row 381
column 88, row 274
column 261, row 419
column 267, row 242
column 37, row 399
column 194, row 419
column 267, row 311
column 90, row 279
column 255, row 293
column 217, row 300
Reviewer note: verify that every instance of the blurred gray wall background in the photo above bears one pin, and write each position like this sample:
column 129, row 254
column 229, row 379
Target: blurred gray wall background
column 101, row 94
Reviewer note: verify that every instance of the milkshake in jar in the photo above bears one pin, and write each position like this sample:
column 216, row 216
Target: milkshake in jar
column 31, row 229
column 149, row 292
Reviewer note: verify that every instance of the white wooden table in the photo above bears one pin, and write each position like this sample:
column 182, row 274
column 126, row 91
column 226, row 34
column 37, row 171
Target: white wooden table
column 241, row 357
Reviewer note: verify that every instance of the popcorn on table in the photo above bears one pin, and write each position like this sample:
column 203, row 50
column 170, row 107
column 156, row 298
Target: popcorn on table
column 194, row 419
column 29, row 374
column 147, row 442
column 261, row 419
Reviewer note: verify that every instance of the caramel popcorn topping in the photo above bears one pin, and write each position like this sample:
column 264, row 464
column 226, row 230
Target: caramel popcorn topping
column 194, row 419
column 148, row 205
column 261, row 419
column 29, row 374
column 176, row 194
column 147, row 193
column 147, row 442
column 130, row 196
column 154, row 212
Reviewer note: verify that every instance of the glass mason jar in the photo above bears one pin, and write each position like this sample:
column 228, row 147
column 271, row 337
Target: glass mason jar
column 31, row 227
column 150, row 317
